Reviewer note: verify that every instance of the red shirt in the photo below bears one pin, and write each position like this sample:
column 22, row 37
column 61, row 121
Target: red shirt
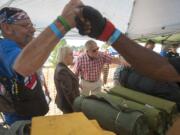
column 90, row 69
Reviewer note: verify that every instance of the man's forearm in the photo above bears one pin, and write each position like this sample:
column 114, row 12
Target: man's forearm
column 146, row 61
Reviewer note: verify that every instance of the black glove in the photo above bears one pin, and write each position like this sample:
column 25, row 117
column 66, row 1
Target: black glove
column 96, row 20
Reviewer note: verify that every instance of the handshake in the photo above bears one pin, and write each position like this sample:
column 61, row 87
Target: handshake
column 90, row 21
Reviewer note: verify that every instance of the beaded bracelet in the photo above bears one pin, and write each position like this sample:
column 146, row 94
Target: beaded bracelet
column 55, row 30
column 64, row 23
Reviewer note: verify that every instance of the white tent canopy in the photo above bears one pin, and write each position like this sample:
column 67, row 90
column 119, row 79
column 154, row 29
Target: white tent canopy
column 153, row 18
column 138, row 18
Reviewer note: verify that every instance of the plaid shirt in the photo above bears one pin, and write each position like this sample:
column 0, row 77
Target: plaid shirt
column 90, row 69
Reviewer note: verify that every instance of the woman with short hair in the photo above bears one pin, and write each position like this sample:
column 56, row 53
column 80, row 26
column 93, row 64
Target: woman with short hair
column 66, row 82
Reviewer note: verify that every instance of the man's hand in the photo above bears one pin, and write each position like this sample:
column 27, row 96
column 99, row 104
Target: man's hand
column 69, row 10
column 90, row 22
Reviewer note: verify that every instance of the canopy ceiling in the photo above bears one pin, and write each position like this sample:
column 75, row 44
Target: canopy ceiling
column 140, row 19
column 156, row 19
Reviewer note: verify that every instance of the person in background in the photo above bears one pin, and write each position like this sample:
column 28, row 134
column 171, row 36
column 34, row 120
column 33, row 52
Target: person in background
column 150, row 44
column 172, row 51
column 116, row 78
column 88, row 67
column 164, row 50
column 66, row 82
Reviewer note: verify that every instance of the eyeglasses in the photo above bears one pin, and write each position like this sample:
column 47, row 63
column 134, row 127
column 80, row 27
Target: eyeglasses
column 95, row 50
column 25, row 24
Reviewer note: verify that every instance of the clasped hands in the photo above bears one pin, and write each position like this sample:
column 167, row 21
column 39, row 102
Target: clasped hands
column 86, row 19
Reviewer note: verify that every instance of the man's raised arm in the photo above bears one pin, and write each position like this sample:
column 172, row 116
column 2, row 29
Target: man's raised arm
column 90, row 22
column 37, row 51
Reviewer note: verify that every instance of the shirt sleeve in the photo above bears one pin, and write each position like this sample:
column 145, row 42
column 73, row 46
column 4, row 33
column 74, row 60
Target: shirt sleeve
column 163, row 53
column 107, row 58
column 8, row 54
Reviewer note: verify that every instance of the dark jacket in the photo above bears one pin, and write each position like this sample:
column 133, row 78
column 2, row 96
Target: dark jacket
column 67, row 87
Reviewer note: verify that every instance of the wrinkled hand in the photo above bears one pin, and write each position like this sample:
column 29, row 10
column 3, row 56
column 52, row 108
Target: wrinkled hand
column 89, row 21
column 69, row 11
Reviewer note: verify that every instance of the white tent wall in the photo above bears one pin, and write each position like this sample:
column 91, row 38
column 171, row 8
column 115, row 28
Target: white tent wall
column 151, row 18
column 43, row 12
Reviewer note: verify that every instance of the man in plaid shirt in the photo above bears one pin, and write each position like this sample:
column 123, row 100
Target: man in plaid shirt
column 89, row 65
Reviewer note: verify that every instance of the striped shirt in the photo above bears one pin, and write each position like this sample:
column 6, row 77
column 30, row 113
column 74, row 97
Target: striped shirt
column 90, row 69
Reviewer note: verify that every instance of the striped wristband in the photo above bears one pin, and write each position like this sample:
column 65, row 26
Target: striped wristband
column 114, row 37
column 64, row 23
column 55, row 30
column 107, row 32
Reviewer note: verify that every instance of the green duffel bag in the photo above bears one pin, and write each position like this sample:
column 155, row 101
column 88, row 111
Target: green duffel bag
column 167, row 107
column 154, row 117
column 121, row 120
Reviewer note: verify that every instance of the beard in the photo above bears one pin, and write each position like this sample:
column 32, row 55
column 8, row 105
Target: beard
column 27, row 39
